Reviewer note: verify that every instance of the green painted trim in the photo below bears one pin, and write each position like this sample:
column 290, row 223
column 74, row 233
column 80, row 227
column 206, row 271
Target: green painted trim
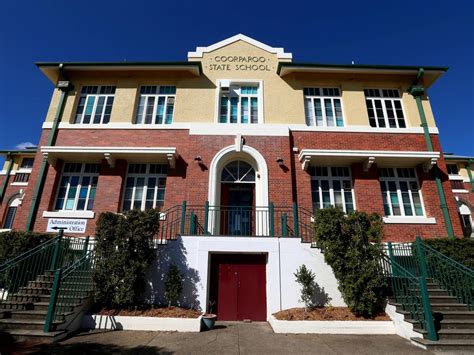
column 469, row 173
column 44, row 165
column 52, row 302
column 357, row 66
column 416, row 92
column 197, row 65
column 7, row 177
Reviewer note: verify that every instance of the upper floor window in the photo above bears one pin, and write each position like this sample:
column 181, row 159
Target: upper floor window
column 77, row 187
column 156, row 105
column 332, row 187
column 452, row 169
column 95, row 104
column 21, row 177
column 27, row 163
column 323, row 107
column 145, row 186
column 240, row 104
column 384, row 107
column 400, row 192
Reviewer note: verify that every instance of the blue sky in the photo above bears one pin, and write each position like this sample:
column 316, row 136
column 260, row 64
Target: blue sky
column 438, row 33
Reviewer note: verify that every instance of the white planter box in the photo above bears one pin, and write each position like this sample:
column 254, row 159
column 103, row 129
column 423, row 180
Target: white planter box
column 331, row 326
column 97, row 321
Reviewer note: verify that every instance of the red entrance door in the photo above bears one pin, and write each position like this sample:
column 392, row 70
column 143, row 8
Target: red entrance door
column 238, row 286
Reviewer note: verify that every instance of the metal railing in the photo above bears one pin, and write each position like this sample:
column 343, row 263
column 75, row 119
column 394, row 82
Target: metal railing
column 262, row 221
column 58, row 252
column 422, row 260
column 70, row 287
column 410, row 292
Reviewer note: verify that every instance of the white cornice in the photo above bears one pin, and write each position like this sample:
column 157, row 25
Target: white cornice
column 111, row 150
column 367, row 153
column 280, row 52
column 267, row 129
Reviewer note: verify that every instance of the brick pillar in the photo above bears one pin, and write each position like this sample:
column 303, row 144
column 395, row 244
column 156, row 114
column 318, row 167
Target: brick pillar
column 367, row 191
column 110, row 187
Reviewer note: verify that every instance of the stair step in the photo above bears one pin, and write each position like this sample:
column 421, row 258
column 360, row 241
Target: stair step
column 40, row 284
column 35, row 290
column 441, row 307
column 443, row 299
column 25, row 335
column 456, row 314
column 24, row 324
column 457, row 324
column 9, row 305
column 466, row 345
column 456, row 334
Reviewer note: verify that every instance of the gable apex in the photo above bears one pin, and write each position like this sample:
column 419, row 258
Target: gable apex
column 280, row 52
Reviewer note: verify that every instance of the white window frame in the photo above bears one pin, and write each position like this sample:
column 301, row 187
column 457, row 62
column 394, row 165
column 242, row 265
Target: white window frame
column 331, row 179
column 94, row 108
column 321, row 99
column 145, row 175
column 397, row 181
column 384, row 108
column 80, row 174
column 155, row 105
column 239, row 83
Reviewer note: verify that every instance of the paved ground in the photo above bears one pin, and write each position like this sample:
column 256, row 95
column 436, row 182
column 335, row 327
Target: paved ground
column 227, row 338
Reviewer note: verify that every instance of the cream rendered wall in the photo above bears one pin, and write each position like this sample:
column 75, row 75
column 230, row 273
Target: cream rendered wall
column 17, row 159
column 283, row 97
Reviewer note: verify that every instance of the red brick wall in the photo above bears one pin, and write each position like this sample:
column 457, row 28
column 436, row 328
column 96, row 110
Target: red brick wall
column 189, row 180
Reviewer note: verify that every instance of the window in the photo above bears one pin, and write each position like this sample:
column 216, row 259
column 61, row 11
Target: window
column 452, row 169
column 77, row 187
column 239, row 104
column 400, row 192
column 27, row 163
column 323, row 107
column 457, row 184
column 11, row 212
column 156, row 105
column 95, row 104
column 238, row 172
column 332, row 187
column 384, row 107
column 145, row 187
column 21, row 177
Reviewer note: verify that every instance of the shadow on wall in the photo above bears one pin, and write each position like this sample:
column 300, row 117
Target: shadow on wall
column 173, row 253
column 319, row 298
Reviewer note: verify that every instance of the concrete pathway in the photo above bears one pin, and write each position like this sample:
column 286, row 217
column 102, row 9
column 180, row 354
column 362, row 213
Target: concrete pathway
column 227, row 338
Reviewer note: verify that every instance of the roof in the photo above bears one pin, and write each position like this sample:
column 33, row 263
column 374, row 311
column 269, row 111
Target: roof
column 430, row 73
column 451, row 156
column 30, row 150
column 52, row 69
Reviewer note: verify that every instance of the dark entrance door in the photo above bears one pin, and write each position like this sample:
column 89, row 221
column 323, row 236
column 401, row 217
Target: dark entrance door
column 236, row 209
column 238, row 286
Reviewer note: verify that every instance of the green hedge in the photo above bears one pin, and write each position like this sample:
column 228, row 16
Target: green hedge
column 461, row 250
column 14, row 243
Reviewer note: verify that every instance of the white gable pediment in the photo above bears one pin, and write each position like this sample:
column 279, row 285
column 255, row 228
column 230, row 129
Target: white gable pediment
column 280, row 52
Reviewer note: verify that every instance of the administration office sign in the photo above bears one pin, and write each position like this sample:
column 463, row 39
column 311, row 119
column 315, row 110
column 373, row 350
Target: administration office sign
column 70, row 225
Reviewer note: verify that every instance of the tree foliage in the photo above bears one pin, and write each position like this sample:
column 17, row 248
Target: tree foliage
column 124, row 252
column 173, row 285
column 351, row 245
column 14, row 243
column 461, row 250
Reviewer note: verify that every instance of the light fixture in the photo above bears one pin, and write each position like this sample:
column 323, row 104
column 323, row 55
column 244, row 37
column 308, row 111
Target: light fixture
column 197, row 159
column 280, row 161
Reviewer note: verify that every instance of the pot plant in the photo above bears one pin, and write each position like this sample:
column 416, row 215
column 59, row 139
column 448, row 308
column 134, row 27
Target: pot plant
column 209, row 319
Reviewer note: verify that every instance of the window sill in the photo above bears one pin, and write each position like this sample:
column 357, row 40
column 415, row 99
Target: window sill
column 68, row 214
column 19, row 184
column 455, row 177
column 460, row 191
column 5, row 230
column 409, row 220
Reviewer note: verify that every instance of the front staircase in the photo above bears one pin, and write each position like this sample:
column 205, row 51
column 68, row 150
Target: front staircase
column 45, row 291
column 434, row 293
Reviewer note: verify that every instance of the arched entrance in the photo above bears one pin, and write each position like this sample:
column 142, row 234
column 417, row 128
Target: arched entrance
column 238, row 192
column 237, row 199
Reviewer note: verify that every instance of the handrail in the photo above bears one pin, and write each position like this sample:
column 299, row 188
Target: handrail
column 410, row 292
column 18, row 258
column 70, row 286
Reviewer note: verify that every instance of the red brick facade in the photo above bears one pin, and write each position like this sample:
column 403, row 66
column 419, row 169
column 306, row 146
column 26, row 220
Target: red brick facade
column 288, row 182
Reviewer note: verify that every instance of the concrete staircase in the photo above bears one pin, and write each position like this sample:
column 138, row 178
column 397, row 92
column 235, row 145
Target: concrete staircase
column 454, row 322
column 23, row 314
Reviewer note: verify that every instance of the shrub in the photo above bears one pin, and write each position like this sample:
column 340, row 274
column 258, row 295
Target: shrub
column 14, row 243
column 351, row 245
column 173, row 285
column 311, row 294
column 461, row 250
column 124, row 252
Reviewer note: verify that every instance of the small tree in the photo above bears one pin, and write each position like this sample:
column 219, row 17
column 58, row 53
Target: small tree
column 124, row 252
column 305, row 278
column 351, row 245
column 173, row 285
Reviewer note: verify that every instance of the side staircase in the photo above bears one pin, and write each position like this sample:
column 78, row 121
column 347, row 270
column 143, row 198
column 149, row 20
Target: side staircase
column 434, row 293
column 45, row 291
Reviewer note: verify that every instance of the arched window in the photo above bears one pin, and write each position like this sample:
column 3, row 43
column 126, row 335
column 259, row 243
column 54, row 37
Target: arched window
column 238, row 172
column 11, row 212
